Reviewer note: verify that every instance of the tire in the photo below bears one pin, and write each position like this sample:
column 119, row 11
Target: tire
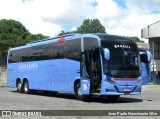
column 26, row 87
column 19, row 87
column 79, row 94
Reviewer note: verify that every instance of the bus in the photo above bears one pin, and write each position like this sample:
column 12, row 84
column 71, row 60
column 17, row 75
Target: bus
column 82, row 64
column 146, row 57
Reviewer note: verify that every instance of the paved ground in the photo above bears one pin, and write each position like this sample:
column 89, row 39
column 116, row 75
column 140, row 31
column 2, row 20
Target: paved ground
column 148, row 100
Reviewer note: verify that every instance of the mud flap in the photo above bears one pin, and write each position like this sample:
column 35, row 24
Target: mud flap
column 85, row 86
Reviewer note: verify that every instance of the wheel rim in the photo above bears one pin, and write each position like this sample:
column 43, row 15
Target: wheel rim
column 26, row 87
column 19, row 85
column 79, row 91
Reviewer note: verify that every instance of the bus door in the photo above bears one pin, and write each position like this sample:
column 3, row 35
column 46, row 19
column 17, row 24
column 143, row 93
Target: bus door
column 90, row 64
column 92, row 71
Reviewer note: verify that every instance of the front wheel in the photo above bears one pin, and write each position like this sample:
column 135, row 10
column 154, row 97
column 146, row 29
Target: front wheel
column 26, row 87
column 79, row 95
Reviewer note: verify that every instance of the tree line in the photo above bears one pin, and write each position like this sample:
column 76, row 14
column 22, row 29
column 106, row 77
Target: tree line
column 13, row 34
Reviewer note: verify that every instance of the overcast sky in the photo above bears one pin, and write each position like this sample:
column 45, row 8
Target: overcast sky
column 50, row 17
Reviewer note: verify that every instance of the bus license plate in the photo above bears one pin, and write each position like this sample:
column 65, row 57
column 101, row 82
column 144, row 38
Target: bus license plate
column 126, row 89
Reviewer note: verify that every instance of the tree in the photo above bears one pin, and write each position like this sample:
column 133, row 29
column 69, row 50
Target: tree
column 136, row 39
column 62, row 33
column 13, row 34
column 33, row 37
column 65, row 33
column 88, row 26
column 91, row 26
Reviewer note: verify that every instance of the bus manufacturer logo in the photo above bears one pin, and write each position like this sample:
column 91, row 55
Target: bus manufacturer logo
column 122, row 46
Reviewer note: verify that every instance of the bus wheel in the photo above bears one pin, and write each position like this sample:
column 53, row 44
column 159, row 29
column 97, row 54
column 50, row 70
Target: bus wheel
column 26, row 87
column 79, row 94
column 19, row 87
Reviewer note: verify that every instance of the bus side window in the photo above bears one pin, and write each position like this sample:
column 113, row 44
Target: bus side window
column 144, row 58
column 73, row 49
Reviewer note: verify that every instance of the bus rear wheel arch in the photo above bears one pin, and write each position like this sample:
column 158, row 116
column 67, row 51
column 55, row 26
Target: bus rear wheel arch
column 26, row 86
column 19, row 86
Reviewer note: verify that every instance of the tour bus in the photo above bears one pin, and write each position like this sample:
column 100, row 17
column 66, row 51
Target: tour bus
column 82, row 64
column 146, row 57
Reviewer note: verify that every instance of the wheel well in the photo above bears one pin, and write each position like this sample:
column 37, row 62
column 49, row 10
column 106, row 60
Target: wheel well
column 25, row 79
column 75, row 83
column 18, row 79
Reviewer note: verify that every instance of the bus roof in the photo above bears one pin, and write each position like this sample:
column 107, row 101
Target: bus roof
column 110, row 37
column 69, row 36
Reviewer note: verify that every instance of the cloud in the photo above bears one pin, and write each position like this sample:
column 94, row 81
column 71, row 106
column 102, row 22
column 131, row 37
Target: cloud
column 65, row 11
column 73, row 29
column 29, row 14
column 46, row 16
column 128, row 20
column 50, row 17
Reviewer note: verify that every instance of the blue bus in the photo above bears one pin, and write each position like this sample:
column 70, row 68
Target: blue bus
column 82, row 64
column 146, row 57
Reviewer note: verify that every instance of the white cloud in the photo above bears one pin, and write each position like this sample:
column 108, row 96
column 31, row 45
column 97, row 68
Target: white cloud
column 50, row 17
column 65, row 11
column 73, row 29
column 46, row 16
column 128, row 20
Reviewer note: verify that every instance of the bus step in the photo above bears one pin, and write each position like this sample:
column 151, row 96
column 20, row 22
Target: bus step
column 96, row 94
column 98, row 89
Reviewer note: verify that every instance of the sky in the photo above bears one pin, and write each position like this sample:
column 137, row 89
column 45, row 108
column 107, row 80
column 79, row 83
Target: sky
column 50, row 17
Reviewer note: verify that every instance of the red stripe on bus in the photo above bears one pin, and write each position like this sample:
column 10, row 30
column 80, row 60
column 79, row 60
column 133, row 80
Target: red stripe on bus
column 128, row 79
column 61, row 39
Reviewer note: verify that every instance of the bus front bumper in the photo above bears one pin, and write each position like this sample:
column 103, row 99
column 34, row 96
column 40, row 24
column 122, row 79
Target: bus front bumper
column 112, row 89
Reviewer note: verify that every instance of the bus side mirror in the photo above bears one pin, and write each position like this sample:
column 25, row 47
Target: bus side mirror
column 106, row 53
column 149, row 56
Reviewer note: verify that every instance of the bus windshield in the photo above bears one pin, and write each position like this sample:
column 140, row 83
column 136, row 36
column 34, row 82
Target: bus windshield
column 122, row 64
column 124, row 58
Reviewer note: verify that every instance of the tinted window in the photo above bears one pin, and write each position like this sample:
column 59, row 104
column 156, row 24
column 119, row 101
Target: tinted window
column 144, row 58
column 58, row 50
column 41, row 52
column 14, row 56
column 90, row 43
column 19, row 56
column 73, row 49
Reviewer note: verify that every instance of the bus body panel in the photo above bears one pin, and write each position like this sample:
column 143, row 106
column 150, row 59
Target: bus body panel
column 51, row 75
column 65, row 71
column 145, row 60
column 145, row 73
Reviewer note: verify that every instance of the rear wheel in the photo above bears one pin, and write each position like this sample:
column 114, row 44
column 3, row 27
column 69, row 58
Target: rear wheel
column 26, row 87
column 19, row 87
column 78, row 93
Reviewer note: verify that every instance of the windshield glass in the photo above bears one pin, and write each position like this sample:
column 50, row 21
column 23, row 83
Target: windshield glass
column 122, row 64
column 124, row 57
